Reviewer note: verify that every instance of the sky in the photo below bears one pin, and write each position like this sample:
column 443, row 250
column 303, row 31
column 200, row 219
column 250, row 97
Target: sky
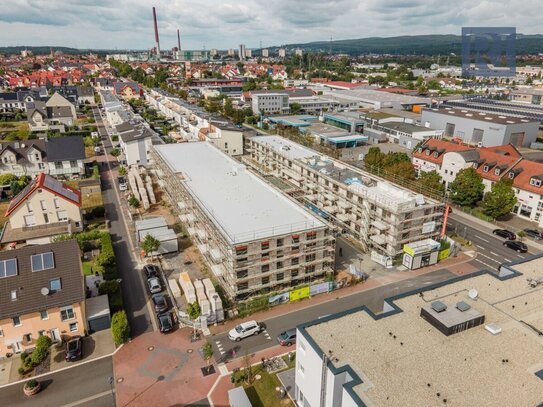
column 127, row 24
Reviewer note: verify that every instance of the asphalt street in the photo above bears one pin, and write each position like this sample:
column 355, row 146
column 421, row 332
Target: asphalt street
column 134, row 292
column 224, row 348
column 89, row 387
column 490, row 249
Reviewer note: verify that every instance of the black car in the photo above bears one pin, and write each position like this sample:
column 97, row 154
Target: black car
column 159, row 302
column 287, row 338
column 165, row 322
column 150, row 270
column 74, row 349
column 536, row 234
column 515, row 245
column 507, row 234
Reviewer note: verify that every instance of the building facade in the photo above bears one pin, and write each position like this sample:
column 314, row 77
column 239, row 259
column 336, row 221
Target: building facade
column 270, row 103
column 253, row 238
column 380, row 215
column 43, row 294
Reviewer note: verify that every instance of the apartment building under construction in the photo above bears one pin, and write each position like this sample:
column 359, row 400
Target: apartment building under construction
column 379, row 214
column 254, row 238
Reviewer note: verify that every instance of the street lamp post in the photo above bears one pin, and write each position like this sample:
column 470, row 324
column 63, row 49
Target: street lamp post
column 110, row 380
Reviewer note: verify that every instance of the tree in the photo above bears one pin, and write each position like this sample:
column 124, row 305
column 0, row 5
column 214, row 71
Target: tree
column 467, row 188
column 120, row 328
column 295, row 108
column 133, row 202
column 521, row 235
column 207, row 351
column 431, row 183
column 150, row 244
column 194, row 311
column 403, row 169
column 500, row 200
column 374, row 158
column 122, row 171
column 7, row 179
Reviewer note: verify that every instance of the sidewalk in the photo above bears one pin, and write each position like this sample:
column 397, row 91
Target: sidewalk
column 515, row 224
column 452, row 264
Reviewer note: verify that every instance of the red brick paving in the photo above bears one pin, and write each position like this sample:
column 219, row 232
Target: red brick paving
column 165, row 376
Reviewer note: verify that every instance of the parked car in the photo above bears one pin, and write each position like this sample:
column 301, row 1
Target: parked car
column 536, row 234
column 74, row 349
column 122, row 183
column 154, row 285
column 160, row 303
column 244, row 330
column 516, row 245
column 287, row 338
column 507, row 234
column 150, row 270
column 165, row 322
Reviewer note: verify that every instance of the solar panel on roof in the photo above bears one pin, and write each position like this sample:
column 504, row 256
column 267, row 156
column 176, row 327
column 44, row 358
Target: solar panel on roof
column 57, row 187
column 438, row 306
column 21, row 195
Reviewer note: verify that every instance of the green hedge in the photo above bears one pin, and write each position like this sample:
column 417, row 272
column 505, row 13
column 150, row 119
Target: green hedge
column 120, row 328
column 113, row 290
column 106, row 259
column 42, row 350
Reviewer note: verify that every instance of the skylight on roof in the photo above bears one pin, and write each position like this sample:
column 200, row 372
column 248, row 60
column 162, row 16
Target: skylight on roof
column 43, row 261
column 8, row 268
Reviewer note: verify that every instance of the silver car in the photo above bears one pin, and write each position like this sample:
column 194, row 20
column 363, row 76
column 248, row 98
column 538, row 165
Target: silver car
column 154, row 285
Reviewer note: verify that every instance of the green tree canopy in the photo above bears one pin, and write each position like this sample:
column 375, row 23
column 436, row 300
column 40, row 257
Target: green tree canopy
column 500, row 200
column 120, row 328
column 150, row 244
column 431, row 183
column 374, row 158
column 193, row 309
column 467, row 188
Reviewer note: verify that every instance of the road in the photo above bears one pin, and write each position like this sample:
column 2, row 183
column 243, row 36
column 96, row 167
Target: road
column 134, row 291
column 86, row 385
column 490, row 249
column 374, row 298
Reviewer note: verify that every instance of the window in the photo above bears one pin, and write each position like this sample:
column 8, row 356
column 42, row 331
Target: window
column 43, row 206
column 55, row 284
column 265, row 268
column 41, row 332
column 265, row 245
column 73, row 164
column 13, row 295
column 242, row 273
column 497, row 171
column 535, row 182
column 28, row 337
column 301, row 369
column 310, row 269
column 294, row 273
column 436, row 154
column 280, row 276
column 62, row 215
column 57, row 203
column 295, row 260
column 310, row 257
column 511, row 175
column 16, row 321
column 44, row 315
column 279, row 242
column 67, row 313
column 43, row 261
column 311, row 235
column 265, row 280
column 265, row 254
column 428, row 152
column 73, row 327
column 241, row 250
column 58, row 165
column 30, row 220
column 295, row 238
column 29, row 206
column 8, row 268
column 279, row 265
column 485, row 168
column 243, row 286
column 1, row 333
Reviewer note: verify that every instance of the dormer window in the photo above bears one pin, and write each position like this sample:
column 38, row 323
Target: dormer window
column 511, row 175
column 486, row 168
column 535, row 182
column 497, row 171
column 428, row 152
column 475, row 165
column 436, row 154
column 420, row 150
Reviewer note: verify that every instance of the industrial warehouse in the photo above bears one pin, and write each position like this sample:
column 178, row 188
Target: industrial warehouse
column 253, row 237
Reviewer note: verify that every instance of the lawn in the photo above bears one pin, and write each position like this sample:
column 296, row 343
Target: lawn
column 87, row 268
column 263, row 393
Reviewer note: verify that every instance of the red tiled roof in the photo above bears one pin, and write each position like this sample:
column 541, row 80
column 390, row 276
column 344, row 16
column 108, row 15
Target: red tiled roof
column 436, row 144
column 44, row 181
column 529, row 169
column 497, row 159
column 344, row 84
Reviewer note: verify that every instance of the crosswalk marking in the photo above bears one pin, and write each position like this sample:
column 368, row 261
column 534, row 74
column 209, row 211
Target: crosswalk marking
column 266, row 334
column 220, row 347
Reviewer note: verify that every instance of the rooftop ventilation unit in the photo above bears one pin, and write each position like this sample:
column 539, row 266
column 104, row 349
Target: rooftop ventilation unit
column 462, row 306
column 438, row 306
column 493, row 329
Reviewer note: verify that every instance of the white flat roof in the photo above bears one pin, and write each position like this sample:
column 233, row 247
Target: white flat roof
column 243, row 206
column 286, row 147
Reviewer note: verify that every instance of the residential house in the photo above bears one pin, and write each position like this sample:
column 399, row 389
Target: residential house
column 135, row 143
column 127, row 90
column 11, row 102
column 43, row 293
column 493, row 164
column 103, row 83
column 43, row 209
column 227, row 138
column 54, row 114
column 85, row 94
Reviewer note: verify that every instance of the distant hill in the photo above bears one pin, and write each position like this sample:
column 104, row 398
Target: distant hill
column 47, row 49
column 412, row 44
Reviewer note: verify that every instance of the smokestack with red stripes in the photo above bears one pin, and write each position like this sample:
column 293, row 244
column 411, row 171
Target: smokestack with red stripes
column 178, row 41
column 157, row 42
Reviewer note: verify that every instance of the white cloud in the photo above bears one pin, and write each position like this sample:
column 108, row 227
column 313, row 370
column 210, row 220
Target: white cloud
column 214, row 23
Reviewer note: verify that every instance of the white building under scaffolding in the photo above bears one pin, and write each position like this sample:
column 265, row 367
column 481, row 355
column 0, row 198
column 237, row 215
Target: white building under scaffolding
column 253, row 237
column 379, row 214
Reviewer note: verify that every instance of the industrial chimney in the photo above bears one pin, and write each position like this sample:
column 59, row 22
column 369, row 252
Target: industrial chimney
column 157, row 42
column 178, row 41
